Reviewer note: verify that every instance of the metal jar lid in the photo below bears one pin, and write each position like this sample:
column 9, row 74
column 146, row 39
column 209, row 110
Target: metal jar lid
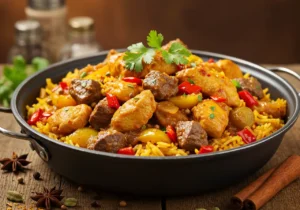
column 46, row 4
column 28, row 32
column 81, row 24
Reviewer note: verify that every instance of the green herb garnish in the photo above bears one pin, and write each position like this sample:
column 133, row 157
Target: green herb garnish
column 212, row 116
column 184, row 95
column 199, row 98
column 138, row 53
column 191, row 81
column 213, row 108
column 131, row 86
column 163, row 129
column 83, row 74
column 193, row 64
column 236, row 83
column 136, row 99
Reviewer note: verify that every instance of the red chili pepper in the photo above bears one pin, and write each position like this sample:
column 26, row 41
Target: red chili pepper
column 247, row 136
column 35, row 117
column 63, row 85
column 218, row 98
column 170, row 131
column 133, row 80
column 112, row 101
column 126, row 151
column 211, row 60
column 180, row 67
column 189, row 88
column 206, row 149
column 248, row 98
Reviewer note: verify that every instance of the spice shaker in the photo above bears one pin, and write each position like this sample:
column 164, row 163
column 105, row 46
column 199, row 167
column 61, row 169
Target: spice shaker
column 81, row 38
column 51, row 14
column 28, row 41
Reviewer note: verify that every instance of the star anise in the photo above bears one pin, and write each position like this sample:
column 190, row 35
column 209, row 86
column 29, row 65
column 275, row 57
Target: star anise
column 14, row 164
column 48, row 198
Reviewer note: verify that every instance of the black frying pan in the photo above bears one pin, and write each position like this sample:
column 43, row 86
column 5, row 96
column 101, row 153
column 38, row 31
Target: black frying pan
column 152, row 175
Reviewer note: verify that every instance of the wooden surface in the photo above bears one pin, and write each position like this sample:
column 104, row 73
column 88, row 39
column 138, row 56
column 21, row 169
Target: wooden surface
column 261, row 31
column 287, row 199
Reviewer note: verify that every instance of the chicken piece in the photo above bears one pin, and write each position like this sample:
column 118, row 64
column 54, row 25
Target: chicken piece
column 212, row 84
column 275, row 108
column 230, row 69
column 169, row 114
column 212, row 117
column 134, row 113
column 161, row 85
column 122, row 90
column 68, row 119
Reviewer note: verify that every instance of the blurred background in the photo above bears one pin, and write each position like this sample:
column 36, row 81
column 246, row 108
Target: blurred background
column 262, row 31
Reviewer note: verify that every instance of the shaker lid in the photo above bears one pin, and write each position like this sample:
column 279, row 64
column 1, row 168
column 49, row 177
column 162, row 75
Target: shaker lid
column 46, row 4
column 28, row 31
column 81, row 23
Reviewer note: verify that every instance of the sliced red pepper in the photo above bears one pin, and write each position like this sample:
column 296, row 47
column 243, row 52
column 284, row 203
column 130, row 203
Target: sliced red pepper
column 35, row 117
column 218, row 98
column 170, row 131
column 247, row 136
column 126, row 151
column 112, row 101
column 63, row 85
column 45, row 116
column 211, row 60
column 180, row 67
column 135, row 80
column 189, row 88
column 206, row 149
column 248, row 98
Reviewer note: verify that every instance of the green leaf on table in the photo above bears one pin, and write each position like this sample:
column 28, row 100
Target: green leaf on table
column 39, row 63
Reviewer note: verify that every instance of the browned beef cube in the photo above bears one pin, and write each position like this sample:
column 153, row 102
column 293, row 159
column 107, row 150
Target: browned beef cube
column 252, row 85
column 190, row 135
column 161, row 85
column 85, row 91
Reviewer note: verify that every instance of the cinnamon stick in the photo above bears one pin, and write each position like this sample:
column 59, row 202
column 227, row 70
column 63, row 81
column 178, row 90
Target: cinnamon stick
column 286, row 173
column 238, row 199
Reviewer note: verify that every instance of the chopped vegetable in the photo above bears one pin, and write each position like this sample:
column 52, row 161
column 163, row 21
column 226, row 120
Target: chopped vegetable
column 138, row 53
column 212, row 116
column 247, row 136
column 180, row 67
column 133, row 80
column 153, row 135
column 170, row 131
column 218, row 98
column 236, row 83
column 191, row 81
column 82, row 135
column 63, row 85
column 35, row 117
column 241, row 117
column 211, row 60
column 83, row 74
column 126, row 151
column 248, row 98
column 112, row 101
column 206, row 149
column 188, row 88
column 61, row 101
column 186, row 101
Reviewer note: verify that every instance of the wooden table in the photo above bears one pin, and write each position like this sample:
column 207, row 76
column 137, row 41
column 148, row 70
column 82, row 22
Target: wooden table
column 287, row 199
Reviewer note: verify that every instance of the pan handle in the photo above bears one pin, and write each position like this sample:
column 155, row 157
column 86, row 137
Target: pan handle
column 285, row 70
column 34, row 145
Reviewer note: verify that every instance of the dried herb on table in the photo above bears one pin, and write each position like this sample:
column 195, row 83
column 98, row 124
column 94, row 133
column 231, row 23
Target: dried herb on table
column 14, row 164
column 48, row 198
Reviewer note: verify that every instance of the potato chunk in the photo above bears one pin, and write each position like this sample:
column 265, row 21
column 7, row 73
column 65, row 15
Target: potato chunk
column 230, row 69
column 212, row 117
column 134, row 113
column 212, row 84
column 68, row 119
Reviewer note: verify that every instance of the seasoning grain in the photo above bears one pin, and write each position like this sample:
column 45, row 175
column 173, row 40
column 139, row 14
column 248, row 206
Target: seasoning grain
column 37, row 176
column 20, row 180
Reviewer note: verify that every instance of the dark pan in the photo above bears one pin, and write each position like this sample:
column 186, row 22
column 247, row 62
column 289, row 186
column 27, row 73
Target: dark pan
column 152, row 175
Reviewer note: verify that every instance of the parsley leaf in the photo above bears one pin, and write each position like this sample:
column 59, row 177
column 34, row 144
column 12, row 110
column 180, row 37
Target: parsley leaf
column 191, row 81
column 199, row 98
column 212, row 116
column 154, row 39
column 236, row 83
column 136, row 55
column 176, row 54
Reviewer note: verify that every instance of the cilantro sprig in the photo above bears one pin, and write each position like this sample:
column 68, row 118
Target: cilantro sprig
column 138, row 53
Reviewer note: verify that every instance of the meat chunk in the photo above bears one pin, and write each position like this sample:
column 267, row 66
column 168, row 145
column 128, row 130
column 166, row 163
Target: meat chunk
column 101, row 115
column 212, row 84
column 212, row 117
column 230, row 69
column 134, row 113
column 191, row 135
column 275, row 108
column 169, row 114
column 122, row 90
column 68, row 119
column 252, row 85
column 85, row 91
column 108, row 141
column 161, row 85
